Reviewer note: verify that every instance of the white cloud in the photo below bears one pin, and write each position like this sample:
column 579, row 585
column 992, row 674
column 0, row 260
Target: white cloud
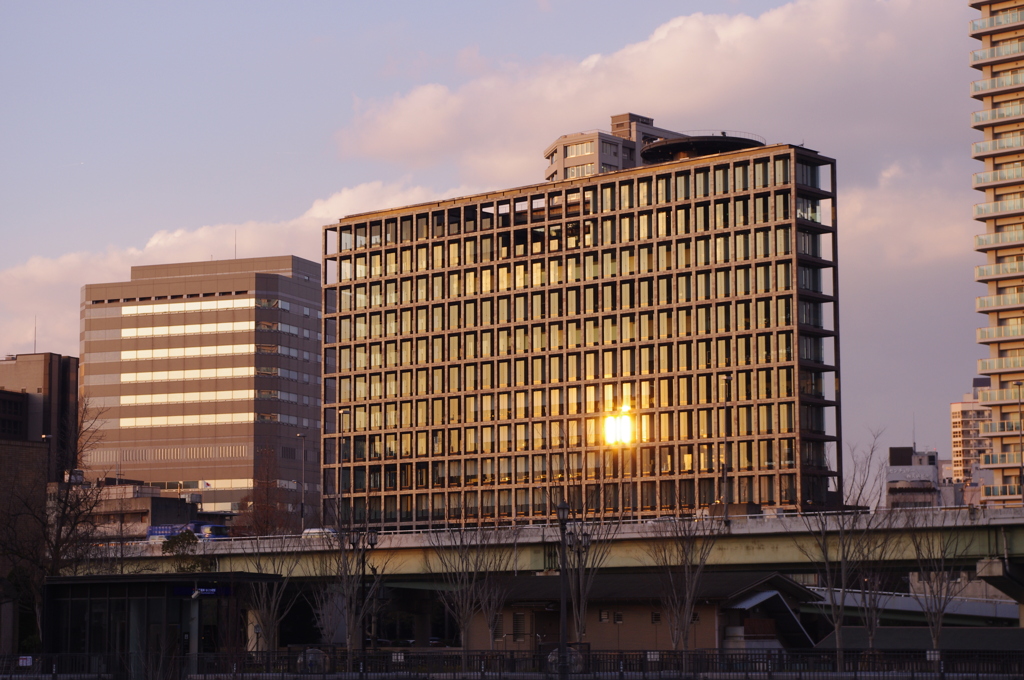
column 864, row 80
column 878, row 84
column 49, row 287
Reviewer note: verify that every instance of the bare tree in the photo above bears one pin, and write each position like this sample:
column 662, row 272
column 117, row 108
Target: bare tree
column 835, row 539
column 680, row 548
column 474, row 564
column 877, row 577
column 270, row 600
column 593, row 524
column 266, row 511
column 47, row 528
column 350, row 578
column 940, row 548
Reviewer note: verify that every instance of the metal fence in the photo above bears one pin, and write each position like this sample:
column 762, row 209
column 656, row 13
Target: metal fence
column 327, row 663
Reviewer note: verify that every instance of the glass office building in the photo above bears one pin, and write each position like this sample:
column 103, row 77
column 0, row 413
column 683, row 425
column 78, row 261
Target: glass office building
column 474, row 345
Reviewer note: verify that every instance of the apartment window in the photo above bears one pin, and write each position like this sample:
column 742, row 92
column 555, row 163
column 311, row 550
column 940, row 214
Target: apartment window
column 579, row 149
column 584, row 170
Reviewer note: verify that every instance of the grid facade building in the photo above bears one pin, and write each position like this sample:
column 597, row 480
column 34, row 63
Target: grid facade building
column 202, row 374
column 472, row 346
column 1000, row 90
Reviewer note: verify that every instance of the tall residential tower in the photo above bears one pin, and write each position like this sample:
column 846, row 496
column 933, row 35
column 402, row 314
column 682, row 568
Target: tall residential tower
column 473, row 345
column 1000, row 90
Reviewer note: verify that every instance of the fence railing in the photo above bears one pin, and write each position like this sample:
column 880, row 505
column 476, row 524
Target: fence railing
column 442, row 664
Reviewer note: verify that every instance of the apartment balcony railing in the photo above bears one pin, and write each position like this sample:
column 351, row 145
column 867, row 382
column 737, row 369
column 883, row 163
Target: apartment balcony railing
column 996, row 396
column 994, row 302
column 997, row 85
column 998, row 177
column 999, row 427
column 994, row 147
column 1000, row 490
column 1000, row 365
column 1000, row 270
column 1000, row 114
column 996, row 333
column 998, row 53
column 1004, row 21
column 1000, row 459
column 989, row 241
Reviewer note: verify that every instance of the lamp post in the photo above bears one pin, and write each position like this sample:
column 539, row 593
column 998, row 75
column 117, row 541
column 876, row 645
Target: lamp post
column 562, row 511
column 1020, row 442
column 302, row 501
column 362, row 542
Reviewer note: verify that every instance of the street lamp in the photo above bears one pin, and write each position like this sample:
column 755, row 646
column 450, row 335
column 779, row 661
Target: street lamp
column 562, row 512
column 1020, row 442
column 302, row 502
column 369, row 542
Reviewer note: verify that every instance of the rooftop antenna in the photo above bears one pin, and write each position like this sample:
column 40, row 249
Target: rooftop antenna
column 913, row 430
column 236, row 244
column 35, row 327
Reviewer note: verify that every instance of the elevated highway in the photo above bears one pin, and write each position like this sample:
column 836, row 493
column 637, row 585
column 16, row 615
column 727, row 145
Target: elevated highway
column 989, row 539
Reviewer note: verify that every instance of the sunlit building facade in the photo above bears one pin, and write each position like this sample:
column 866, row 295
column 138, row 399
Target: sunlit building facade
column 1000, row 91
column 202, row 374
column 473, row 346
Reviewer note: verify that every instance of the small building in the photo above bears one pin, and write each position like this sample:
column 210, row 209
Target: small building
column 913, row 479
column 748, row 610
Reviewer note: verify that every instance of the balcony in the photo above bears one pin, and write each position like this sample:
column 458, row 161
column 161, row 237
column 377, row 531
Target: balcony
column 998, row 396
column 994, row 147
column 1003, row 270
column 998, row 178
column 993, row 55
column 1000, row 365
column 1004, row 21
column 1013, row 206
column 997, row 116
column 991, row 303
column 1000, row 459
column 1001, row 427
column 997, row 85
column 988, row 241
column 997, row 333
column 1001, row 490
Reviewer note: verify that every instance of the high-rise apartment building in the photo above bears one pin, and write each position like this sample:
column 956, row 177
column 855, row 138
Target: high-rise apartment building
column 1001, row 93
column 473, row 345
column 967, row 418
column 205, row 376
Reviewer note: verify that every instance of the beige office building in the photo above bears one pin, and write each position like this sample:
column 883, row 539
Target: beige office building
column 967, row 418
column 204, row 373
column 1000, row 91
column 478, row 342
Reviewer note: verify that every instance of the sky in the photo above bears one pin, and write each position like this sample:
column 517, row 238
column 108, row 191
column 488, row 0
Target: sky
column 142, row 133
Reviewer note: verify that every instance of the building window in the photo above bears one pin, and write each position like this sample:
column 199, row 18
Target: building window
column 579, row 149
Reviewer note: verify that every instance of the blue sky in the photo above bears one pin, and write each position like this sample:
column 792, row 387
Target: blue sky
column 135, row 133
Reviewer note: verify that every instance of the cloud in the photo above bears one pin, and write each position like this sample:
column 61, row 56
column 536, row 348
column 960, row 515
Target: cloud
column 865, row 80
column 873, row 83
column 46, row 290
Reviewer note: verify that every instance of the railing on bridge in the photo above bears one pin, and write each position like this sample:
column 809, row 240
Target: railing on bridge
column 444, row 664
